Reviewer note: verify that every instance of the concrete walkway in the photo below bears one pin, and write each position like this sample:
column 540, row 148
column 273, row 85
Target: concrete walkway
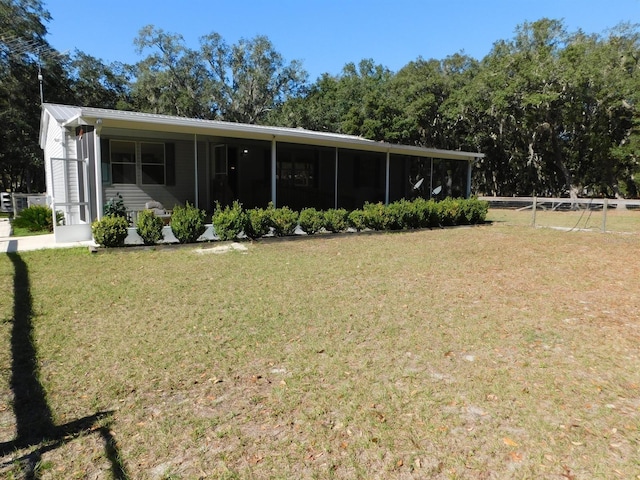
column 9, row 244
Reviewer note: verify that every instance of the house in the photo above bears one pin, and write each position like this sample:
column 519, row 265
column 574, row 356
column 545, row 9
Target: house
column 92, row 154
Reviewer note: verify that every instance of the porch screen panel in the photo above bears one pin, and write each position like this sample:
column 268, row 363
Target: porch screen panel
column 305, row 176
column 451, row 176
column 361, row 178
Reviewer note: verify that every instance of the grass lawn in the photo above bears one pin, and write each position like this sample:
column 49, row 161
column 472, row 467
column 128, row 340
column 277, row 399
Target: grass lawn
column 25, row 232
column 621, row 221
column 466, row 353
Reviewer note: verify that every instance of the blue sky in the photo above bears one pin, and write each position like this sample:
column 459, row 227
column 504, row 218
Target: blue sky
column 327, row 34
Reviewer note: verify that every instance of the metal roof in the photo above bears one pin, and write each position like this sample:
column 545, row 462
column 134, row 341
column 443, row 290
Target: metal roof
column 67, row 115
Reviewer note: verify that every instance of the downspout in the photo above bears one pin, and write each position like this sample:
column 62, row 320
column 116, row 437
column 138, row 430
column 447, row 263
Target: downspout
column 386, row 186
column 98, row 167
column 195, row 160
column 335, row 186
column 273, row 172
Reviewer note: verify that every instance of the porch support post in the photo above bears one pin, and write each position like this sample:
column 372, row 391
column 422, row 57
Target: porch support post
column 97, row 163
column 65, row 170
column 469, row 178
column 431, row 179
column 273, row 172
column 335, row 184
column 386, row 185
column 195, row 161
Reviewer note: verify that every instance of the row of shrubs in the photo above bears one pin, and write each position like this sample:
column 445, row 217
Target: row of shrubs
column 188, row 222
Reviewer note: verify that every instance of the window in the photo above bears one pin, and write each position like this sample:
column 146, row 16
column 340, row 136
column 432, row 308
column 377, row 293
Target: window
column 297, row 174
column 123, row 161
column 219, row 159
column 135, row 162
column 153, row 162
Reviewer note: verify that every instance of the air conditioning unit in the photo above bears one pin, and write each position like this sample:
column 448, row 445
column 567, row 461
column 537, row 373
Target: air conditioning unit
column 5, row 202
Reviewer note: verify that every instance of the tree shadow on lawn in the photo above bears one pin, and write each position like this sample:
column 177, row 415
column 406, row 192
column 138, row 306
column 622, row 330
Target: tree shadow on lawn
column 34, row 419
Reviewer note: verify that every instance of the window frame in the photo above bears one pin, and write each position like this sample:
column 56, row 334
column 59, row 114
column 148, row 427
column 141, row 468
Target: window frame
column 153, row 164
column 114, row 162
column 139, row 165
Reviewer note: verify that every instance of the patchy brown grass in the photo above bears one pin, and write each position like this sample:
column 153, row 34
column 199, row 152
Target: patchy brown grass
column 617, row 221
column 486, row 352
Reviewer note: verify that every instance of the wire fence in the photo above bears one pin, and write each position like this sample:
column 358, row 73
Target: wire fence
column 583, row 214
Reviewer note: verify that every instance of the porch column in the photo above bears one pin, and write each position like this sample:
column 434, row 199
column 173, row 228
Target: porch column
column 386, row 186
column 98, row 167
column 195, row 161
column 469, row 178
column 431, row 179
column 273, row 172
column 335, row 183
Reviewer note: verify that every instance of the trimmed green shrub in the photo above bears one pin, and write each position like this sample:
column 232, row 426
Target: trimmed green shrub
column 283, row 220
column 311, row 220
column 149, row 227
column 258, row 223
column 357, row 220
column 187, row 223
column 115, row 207
column 375, row 216
column 228, row 222
column 449, row 211
column 426, row 213
column 432, row 215
column 110, row 231
column 402, row 215
column 474, row 211
column 36, row 218
column 336, row 220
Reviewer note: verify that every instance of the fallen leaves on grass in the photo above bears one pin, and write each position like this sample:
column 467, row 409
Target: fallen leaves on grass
column 509, row 442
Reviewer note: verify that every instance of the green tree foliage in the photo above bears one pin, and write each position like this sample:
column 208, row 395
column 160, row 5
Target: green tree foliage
column 239, row 83
column 248, row 79
column 22, row 43
column 554, row 112
column 170, row 80
column 96, row 84
column 356, row 103
column 24, row 54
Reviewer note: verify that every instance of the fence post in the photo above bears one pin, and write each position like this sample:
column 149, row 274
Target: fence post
column 605, row 207
column 533, row 208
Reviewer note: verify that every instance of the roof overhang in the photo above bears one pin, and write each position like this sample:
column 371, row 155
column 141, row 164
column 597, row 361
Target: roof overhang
column 70, row 116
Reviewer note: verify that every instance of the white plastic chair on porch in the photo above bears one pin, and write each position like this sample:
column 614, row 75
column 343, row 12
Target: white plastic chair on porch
column 158, row 209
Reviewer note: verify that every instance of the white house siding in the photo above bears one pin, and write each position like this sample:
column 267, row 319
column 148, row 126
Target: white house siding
column 53, row 149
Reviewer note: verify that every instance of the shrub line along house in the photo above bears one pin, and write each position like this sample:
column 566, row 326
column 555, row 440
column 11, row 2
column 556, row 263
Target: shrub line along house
column 93, row 154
